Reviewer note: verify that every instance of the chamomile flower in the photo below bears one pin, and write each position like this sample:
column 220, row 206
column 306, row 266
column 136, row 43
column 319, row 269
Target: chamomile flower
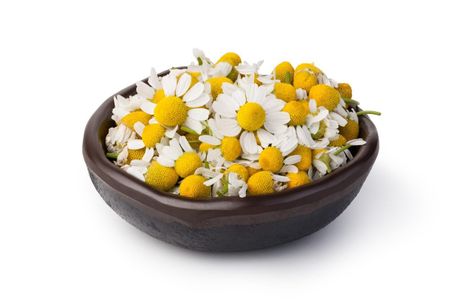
column 181, row 155
column 250, row 109
column 181, row 106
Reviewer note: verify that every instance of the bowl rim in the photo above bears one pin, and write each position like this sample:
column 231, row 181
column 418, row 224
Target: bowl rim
column 106, row 170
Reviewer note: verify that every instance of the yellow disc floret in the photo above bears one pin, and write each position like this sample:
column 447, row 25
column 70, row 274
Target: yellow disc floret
column 345, row 90
column 187, row 163
column 298, row 179
column 161, row 177
column 152, row 134
column 159, row 95
column 260, row 183
column 252, row 171
column 351, row 130
column 284, row 72
column 240, row 170
column 285, row 91
column 231, row 148
column 305, row 154
column 297, row 110
column 205, row 146
column 309, row 67
column 251, row 116
column 171, row 111
column 138, row 116
column 193, row 187
column 325, row 96
column 216, row 85
column 304, row 80
column 339, row 141
column 135, row 154
column 271, row 159
column 231, row 58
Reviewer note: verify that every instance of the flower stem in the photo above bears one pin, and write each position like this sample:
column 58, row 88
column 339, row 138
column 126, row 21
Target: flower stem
column 351, row 101
column 340, row 150
column 112, row 156
column 188, row 130
column 368, row 112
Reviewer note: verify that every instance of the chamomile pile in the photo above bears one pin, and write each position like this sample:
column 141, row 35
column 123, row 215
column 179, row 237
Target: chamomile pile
column 222, row 128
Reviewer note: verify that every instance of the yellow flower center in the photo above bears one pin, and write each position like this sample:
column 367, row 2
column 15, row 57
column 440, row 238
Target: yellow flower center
column 284, row 72
column 205, row 146
column 298, row 110
column 193, row 187
column 305, row 80
column 238, row 169
column 345, row 90
column 171, row 111
column 306, row 157
column 271, row 159
column 231, row 58
column 260, row 183
column 325, row 96
column 351, row 130
column 159, row 95
column 231, row 148
column 152, row 134
column 161, row 177
column 216, row 85
column 187, row 163
column 135, row 154
column 285, row 91
column 308, row 67
column 298, row 179
column 138, row 116
column 339, row 141
column 251, row 116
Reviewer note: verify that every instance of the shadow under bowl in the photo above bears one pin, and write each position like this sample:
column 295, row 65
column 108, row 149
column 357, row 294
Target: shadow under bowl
column 227, row 223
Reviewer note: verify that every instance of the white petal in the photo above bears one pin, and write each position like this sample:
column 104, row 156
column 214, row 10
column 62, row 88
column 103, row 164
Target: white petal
column 278, row 117
column 194, row 125
column 280, row 178
column 265, row 137
column 185, row 144
column 174, row 148
column 320, row 166
column 194, row 92
column 292, row 159
column 169, row 84
column 243, row 191
column 170, row 132
column 199, row 114
column 312, row 105
column 289, row 169
column 213, row 180
column 135, row 144
column 228, row 127
column 144, row 90
column 165, row 161
column 203, row 99
column 209, row 139
column 248, row 143
column 338, row 118
column 356, row 142
column 148, row 155
column 139, row 127
column 229, row 101
column 183, row 84
column 224, row 109
column 141, row 163
column 148, row 107
column 153, row 80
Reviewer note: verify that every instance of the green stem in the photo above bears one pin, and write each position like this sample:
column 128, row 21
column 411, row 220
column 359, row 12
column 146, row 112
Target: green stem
column 351, row 101
column 200, row 62
column 368, row 112
column 188, row 130
column 112, row 156
column 340, row 150
column 288, row 78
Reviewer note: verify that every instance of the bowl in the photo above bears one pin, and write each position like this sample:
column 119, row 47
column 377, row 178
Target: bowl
column 227, row 223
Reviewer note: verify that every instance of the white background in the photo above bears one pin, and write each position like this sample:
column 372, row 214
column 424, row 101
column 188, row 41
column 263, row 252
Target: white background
column 59, row 242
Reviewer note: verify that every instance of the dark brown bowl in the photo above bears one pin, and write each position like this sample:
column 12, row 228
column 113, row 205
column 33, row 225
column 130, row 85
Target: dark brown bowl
column 228, row 223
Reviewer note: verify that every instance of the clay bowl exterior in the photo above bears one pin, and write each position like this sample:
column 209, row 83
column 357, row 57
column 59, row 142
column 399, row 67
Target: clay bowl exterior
column 228, row 223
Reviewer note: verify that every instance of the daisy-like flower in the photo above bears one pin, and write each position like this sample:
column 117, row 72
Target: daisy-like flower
column 182, row 104
column 251, row 109
column 123, row 106
column 180, row 155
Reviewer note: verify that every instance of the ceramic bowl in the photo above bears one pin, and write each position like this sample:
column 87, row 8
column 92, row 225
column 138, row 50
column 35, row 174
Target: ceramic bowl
column 227, row 223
